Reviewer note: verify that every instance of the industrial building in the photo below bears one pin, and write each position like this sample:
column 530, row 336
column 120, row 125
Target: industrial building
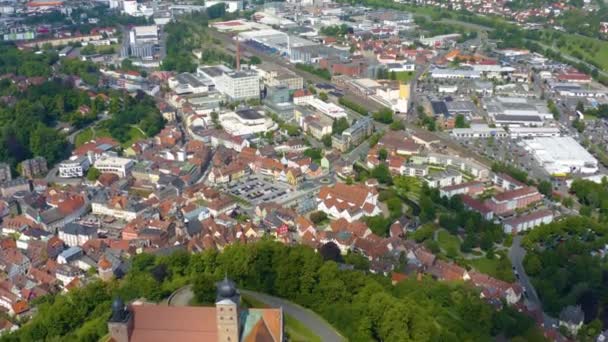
column 143, row 42
column 479, row 131
column 246, row 122
column 237, row 85
column 186, row 83
column 455, row 74
column 330, row 109
column 517, row 111
column 561, row 155
column 273, row 75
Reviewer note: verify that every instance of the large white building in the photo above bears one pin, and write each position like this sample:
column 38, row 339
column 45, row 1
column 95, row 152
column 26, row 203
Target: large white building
column 237, row 85
column 116, row 165
column 479, row 131
column 518, row 111
column 186, row 83
column 246, row 122
column 455, row 74
column 561, row 155
column 230, row 5
column 74, row 167
column 332, row 110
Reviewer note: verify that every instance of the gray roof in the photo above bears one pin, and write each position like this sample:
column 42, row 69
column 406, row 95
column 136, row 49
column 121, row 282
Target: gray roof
column 530, row 118
column 71, row 253
column 78, row 229
column 572, row 314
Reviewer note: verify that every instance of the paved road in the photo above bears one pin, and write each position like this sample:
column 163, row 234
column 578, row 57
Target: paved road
column 532, row 302
column 315, row 323
column 311, row 320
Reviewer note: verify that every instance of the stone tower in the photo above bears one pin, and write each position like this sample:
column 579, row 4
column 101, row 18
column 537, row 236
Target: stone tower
column 104, row 269
column 120, row 324
column 227, row 311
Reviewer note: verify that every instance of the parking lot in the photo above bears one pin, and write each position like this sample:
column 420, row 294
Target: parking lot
column 509, row 151
column 256, row 189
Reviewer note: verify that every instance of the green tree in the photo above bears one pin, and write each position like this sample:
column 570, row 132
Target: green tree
column 532, row 264
column 318, row 217
column 255, row 60
column 326, row 140
column 424, row 232
column 384, row 115
column 397, row 126
column 545, row 188
column 93, row 174
column 204, row 289
column 216, row 11
column 339, row 126
column 323, row 96
column 382, row 174
column 48, row 143
column 460, row 121
column 382, row 154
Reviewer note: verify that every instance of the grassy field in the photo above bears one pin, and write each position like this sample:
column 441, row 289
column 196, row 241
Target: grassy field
column 297, row 331
column 134, row 135
column 598, row 54
column 83, row 137
column 448, row 241
column 404, row 76
column 91, row 133
column 499, row 267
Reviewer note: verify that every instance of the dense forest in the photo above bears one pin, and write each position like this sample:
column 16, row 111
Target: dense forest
column 593, row 197
column 567, row 268
column 35, row 101
column 27, row 122
column 363, row 307
column 128, row 111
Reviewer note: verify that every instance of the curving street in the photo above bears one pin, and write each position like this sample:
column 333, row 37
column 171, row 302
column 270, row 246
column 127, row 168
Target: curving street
column 307, row 317
column 532, row 302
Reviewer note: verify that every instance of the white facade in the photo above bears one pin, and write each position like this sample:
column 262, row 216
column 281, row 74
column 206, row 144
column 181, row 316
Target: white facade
column 520, row 224
column 455, row 74
column 479, row 131
column 332, row 110
column 414, row 170
column 561, row 155
column 239, row 85
column 238, row 125
column 442, row 179
column 74, row 167
column 231, row 6
column 116, row 165
column 299, row 100
column 104, row 209
column 520, row 132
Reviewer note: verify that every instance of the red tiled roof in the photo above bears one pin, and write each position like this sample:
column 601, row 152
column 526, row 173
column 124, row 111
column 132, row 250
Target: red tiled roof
column 514, row 194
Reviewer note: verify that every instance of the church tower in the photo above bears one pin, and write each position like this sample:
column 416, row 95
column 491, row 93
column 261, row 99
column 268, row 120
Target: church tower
column 227, row 311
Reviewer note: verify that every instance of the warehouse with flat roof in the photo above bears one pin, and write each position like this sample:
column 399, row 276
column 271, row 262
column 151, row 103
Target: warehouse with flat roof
column 561, row 155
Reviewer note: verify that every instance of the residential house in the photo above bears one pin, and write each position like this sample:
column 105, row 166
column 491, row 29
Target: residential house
column 472, row 188
column 350, row 202
column 509, row 201
column 75, row 234
column 526, row 222
column 478, row 206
